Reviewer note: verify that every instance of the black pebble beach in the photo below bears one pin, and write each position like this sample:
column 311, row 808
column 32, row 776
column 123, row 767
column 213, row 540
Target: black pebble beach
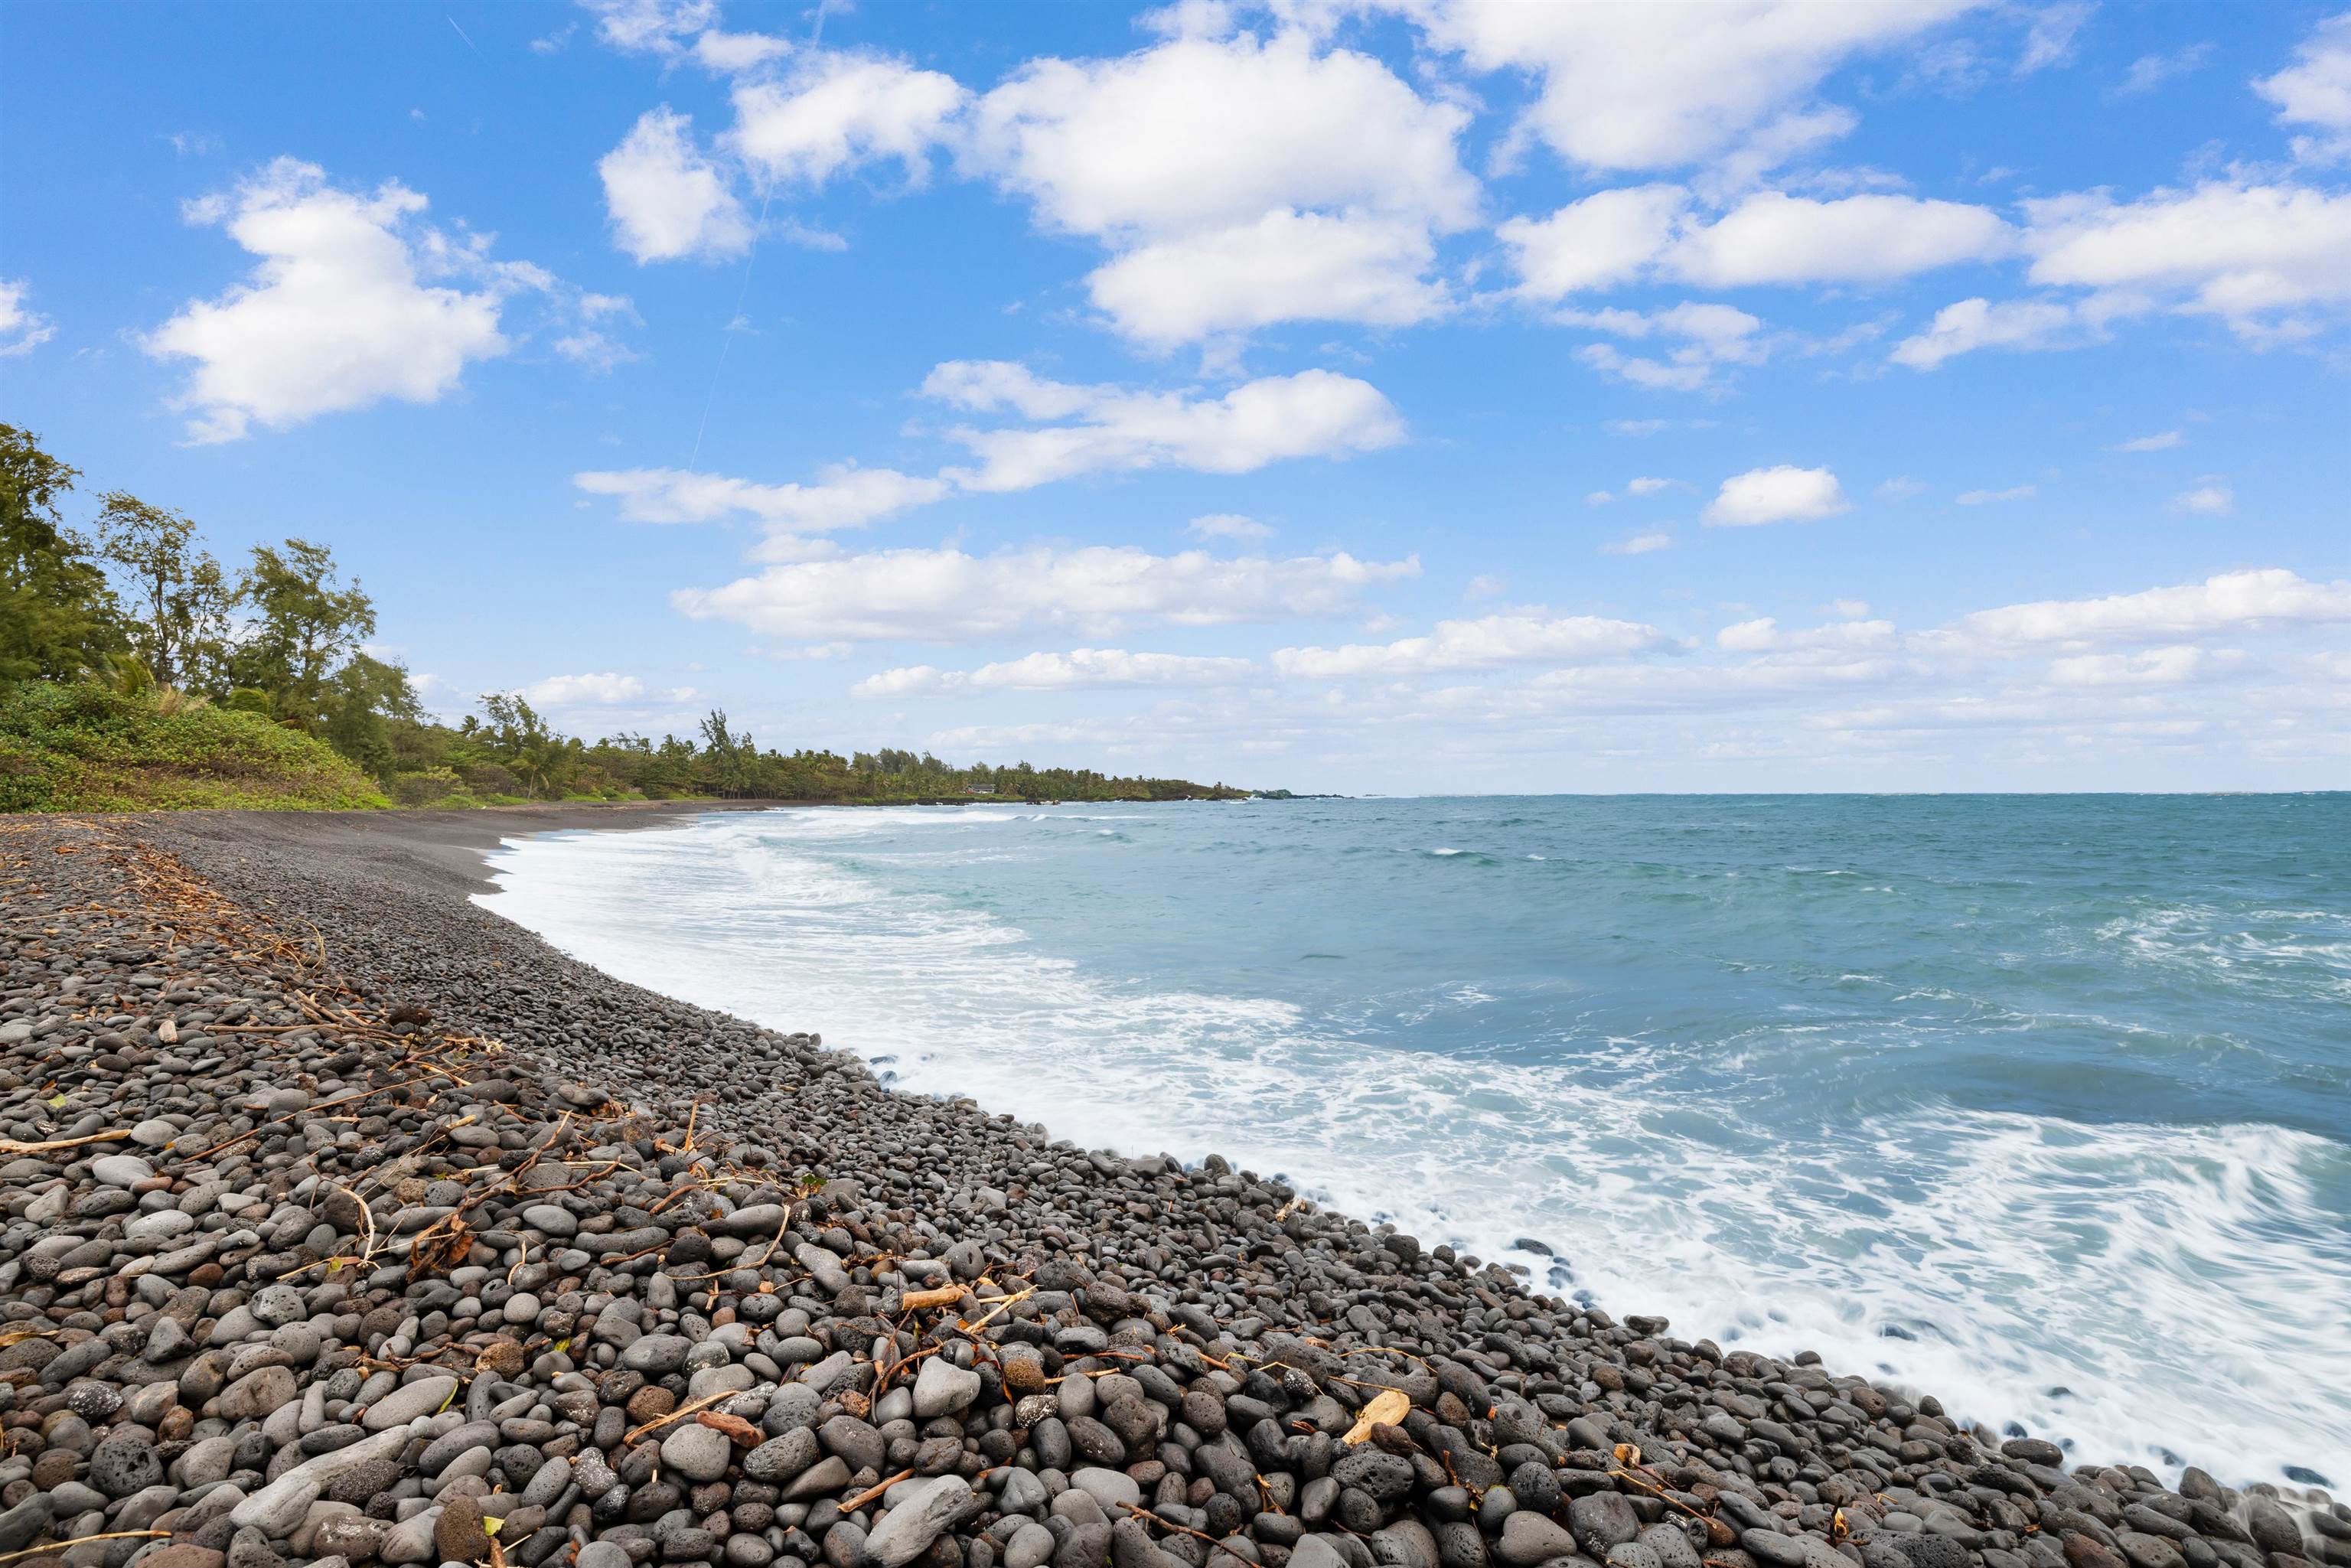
column 347, row 1223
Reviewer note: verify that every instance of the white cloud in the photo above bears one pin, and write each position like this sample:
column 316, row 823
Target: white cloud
column 1490, row 642
column 839, row 111
column 22, row 329
column 1653, row 87
column 650, row 26
column 1973, row 324
column 1237, row 181
column 2206, row 501
column 1080, row 669
column 1985, row 498
column 1775, row 238
column 1902, row 488
column 945, row 596
column 1765, row 635
column 1771, row 238
column 1711, row 337
column 1608, row 239
column 1228, row 525
column 2163, row 441
column 1314, row 414
column 2049, row 37
column 1639, row 544
column 1287, row 266
column 666, row 199
column 1200, row 135
column 2316, row 90
column 571, row 691
column 730, row 54
column 2151, row 668
column 2151, row 71
column 1777, row 495
column 1648, row 485
column 847, row 497
column 2234, row 601
column 335, row 315
column 2250, row 253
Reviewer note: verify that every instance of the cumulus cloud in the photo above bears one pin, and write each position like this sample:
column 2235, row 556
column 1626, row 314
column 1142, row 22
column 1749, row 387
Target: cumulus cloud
column 839, row 111
column 1287, row 266
column 1228, row 525
column 1697, row 341
column 1198, row 134
column 2254, row 255
column 1765, row 635
column 1487, row 644
column 947, row 596
column 1773, row 237
column 1978, row 323
column 22, row 327
column 1607, row 239
column 1656, row 233
column 1106, row 429
column 2315, row 92
column 665, row 198
column 1988, row 497
column 730, row 54
column 2232, row 601
column 2206, row 501
column 1655, row 87
column 652, row 27
column 1777, row 495
column 1078, row 669
column 337, row 313
column 844, row 497
column 1639, row 544
column 578, row 691
column 1072, row 430
column 2150, row 667
column 2162, row 441
column 1236, row 180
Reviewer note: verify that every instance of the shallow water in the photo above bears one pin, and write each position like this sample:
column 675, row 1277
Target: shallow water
column 2042, row 1104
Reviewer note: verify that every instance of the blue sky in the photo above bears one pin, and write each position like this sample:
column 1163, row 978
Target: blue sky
column 1403, row 395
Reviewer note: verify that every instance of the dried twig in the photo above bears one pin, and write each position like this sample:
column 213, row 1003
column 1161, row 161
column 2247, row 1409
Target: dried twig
column 851, row 1504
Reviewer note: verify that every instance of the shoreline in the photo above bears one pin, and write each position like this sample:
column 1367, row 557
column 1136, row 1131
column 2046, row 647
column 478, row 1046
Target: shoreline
column 1268, row 1327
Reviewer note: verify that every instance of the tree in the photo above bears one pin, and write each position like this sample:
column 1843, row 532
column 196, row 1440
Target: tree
column 308, row 623
column 731, row 756
column 522, row 741
column 180, row 622
column 56, row 615
column 367, row 700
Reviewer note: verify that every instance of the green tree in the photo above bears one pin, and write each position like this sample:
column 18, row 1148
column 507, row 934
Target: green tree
column 309, row 623
column 524, row 743
column 369, row 704
column 179, row 620
column 730, row 757
column 56, row 615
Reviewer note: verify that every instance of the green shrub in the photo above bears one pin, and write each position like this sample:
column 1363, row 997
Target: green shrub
column 85, row 748
column 490, row 778
column 427, row 787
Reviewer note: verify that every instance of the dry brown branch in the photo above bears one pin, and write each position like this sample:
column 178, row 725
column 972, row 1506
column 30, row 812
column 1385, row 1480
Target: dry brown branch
column 10, row 1147
column 851, row 1504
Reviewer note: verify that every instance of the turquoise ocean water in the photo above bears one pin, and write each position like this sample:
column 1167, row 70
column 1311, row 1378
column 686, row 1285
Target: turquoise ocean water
column 2042, row 1104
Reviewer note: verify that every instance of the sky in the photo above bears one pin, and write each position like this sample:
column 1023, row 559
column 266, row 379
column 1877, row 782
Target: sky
column 1352, row 396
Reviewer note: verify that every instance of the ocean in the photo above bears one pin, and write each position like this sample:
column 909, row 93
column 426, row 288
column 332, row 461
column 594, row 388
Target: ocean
column 2039, row 1104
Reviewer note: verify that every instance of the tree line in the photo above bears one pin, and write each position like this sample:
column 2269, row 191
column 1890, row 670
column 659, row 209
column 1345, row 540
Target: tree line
column 136, row 604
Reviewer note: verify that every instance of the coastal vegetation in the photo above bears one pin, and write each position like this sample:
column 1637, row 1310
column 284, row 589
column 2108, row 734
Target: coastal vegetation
column 138, row 672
